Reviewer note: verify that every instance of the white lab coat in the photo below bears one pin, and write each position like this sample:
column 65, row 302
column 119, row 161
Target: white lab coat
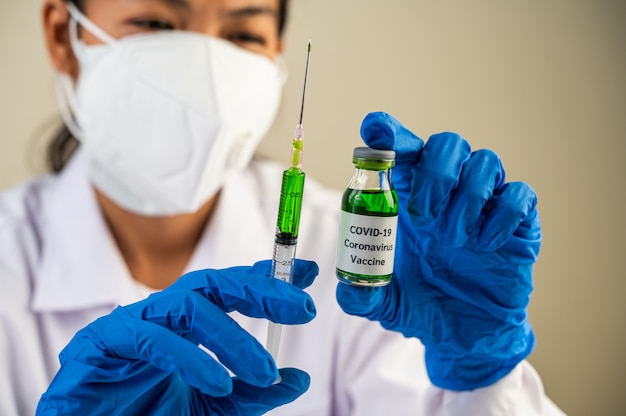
column 60, row 269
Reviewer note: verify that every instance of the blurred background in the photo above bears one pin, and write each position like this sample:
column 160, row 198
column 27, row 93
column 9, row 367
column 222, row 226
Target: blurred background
column 543, row 83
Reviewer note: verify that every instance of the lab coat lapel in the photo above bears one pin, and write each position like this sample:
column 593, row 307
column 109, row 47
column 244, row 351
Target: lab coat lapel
column 80, row 266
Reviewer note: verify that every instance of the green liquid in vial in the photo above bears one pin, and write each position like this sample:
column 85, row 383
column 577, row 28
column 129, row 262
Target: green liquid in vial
column 377, row 203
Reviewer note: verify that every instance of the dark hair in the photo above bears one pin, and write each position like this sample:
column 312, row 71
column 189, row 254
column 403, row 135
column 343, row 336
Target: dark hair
column 64, row 144
column 282, row 16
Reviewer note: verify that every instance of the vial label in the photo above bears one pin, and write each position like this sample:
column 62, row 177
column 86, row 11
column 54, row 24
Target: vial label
column 366, row 244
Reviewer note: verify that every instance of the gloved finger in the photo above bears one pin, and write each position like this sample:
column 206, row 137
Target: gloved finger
column 359, row 301
column 436, row 175
column 252, row 400
column 512, row 211
column 247, row 290
column 482, row 173
column 382, row 131
column 111, row 344
column 202, row 322
column 305, row 271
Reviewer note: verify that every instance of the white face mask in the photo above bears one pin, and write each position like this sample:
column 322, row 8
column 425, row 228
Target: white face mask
column 164, row 118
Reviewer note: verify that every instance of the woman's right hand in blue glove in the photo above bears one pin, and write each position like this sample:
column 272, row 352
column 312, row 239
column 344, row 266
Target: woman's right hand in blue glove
column 466, row 245
column 144, row 358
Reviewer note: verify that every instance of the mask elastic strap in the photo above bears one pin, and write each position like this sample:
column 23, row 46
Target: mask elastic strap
column 77, row 47
column 78, row 16
column 65, row 94
column 66, row 101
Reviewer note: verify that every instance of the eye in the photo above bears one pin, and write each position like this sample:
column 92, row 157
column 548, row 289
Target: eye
column 153, row 24
column 246, row 37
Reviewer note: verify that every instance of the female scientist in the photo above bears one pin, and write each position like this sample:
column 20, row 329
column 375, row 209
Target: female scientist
column 169, row 99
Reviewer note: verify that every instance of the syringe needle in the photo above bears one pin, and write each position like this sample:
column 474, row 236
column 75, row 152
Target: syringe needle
column 306, row 73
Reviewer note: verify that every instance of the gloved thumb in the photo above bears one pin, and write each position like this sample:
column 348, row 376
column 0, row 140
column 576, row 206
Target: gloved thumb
column 382, row 131
column 251, row 400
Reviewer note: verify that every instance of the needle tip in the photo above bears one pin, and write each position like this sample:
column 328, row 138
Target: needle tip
column 309, row 48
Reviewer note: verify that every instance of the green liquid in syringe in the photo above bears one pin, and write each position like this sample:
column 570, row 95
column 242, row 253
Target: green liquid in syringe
column 290, row 205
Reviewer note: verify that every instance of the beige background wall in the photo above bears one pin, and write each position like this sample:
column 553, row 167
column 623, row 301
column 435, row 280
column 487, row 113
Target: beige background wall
column 542, row 82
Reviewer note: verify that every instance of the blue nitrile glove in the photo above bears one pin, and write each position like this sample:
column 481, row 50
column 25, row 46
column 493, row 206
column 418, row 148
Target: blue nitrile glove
column 144, row 358
column 465, row 249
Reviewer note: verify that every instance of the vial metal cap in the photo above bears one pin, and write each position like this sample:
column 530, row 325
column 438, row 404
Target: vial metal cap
column 375, row 154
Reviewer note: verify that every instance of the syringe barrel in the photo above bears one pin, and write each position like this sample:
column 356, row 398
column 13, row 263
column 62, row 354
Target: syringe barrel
column 282, row 261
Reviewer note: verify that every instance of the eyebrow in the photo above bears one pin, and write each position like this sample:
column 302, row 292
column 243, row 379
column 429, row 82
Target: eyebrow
column 248, row 11
column 184, row 4
column 243, row 12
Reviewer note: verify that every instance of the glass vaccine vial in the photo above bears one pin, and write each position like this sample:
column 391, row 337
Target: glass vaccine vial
column 369, row 220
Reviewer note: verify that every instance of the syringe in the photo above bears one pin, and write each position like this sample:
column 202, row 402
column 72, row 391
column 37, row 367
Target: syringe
column 288, row 221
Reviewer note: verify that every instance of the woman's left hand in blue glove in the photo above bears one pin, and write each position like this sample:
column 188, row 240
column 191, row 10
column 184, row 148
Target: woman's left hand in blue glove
column 466, row 245
column 144, row 358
